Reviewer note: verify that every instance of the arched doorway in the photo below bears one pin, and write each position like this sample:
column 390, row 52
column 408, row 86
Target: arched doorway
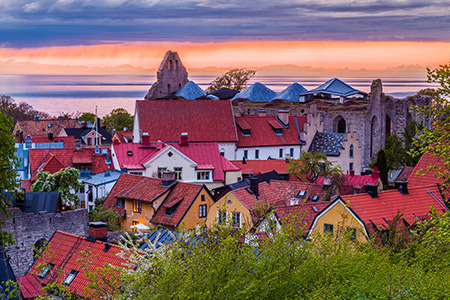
column 339, row 125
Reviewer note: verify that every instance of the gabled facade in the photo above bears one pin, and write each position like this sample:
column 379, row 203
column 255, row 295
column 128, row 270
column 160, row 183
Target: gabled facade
column 153, row 202
column 190, row 162
column 247, row 206
column 269, row 137
column 97, row 187
column 89, row 137
column 203, row 121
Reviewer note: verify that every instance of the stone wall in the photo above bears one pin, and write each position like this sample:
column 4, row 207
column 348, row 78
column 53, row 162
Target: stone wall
column 29, row 229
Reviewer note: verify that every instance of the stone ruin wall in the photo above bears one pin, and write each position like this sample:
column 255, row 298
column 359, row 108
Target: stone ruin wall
column 29, row 228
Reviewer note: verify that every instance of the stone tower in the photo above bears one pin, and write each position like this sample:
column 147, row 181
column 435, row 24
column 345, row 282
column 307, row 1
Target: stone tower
column 171, row 76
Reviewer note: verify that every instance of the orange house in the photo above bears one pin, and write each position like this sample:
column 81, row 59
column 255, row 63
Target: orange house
column 154, row 201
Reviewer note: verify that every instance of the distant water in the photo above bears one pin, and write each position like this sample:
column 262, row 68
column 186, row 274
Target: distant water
column 71, row 93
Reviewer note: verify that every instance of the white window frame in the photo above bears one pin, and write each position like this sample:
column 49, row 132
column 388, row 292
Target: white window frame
column 202, row 178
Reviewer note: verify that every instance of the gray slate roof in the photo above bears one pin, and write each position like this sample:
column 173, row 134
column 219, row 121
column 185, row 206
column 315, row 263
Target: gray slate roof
column 335, row 87
column 291, row 93
column 103, row 178
column 257, row 92
column 190, row 91
column 329, row 143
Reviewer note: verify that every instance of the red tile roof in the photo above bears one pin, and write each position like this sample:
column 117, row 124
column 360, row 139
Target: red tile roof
column 72, row 252
column 416, row 204
column 354, row 182
column 203, row 120
column 301, row 215
column 405, row 173
column 261, row 166
column 420, row 176
column 52, row 160
column 33, row 128
column 262, row 133
column 30, row 286
column 26, row 185
column 134, row 187
column 139, row 154
column 206, row 155
column 182, row 196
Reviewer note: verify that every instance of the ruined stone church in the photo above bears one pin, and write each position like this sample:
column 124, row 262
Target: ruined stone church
column 171, row 76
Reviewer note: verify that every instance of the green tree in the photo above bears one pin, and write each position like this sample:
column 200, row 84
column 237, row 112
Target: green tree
column 65, row 181
column 19, row 112
column 8, row 173
column 312, row 165
column 101, row 214
column 88, row 117
column 117, row 119
column 382, row 167
column 232, row 79
column 436, row 140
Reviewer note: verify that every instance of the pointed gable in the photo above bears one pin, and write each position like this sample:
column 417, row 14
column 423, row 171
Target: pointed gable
column 257, row 92
column 190, row 91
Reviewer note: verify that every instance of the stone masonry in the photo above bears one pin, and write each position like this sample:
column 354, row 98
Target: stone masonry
column 171, row 76
column 29, row 229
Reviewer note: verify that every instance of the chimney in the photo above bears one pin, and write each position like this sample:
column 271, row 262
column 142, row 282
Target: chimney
column 184, row 139
column 375, row 173
column 402, row 187
column 254, row 186
column 98, row 231
column 50, row 136
column 283, row 115
column 168, row 178
column 83, row 124
column 262, row 113
column 372, row 190
column 327, row 181
column 60, row 118
column 145, row 139
column 36, row 119
column 352, row 173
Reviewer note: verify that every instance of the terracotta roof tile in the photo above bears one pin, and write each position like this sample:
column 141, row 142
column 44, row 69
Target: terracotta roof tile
column 68, row 252
column 262, row 134
column 135, row 155
column 182, row 196
column 33, row 128
column 354, row 182
column 261, row 166
column 420, row 176
column 204, row 121
column 415, row 204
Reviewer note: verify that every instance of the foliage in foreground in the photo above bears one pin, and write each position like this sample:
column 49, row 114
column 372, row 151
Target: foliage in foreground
column 218, row 265
column 102, row 214
column 65, row 181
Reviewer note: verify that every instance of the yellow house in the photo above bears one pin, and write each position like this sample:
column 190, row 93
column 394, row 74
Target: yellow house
column 338, row 219
column 153, row 202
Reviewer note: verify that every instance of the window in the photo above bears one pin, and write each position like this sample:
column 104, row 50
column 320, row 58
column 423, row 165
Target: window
column 222, row 153
column 351, row 151
column 236, row 218
column 202, row 211
column 281, row 153
column 221, row 217
column 291, row 152
column 350, row 167
column 203, row 198
column 134, row 223
column 161, row 171
column 46, row 270
column 278, row 131
column 136, row 173
column 120, row 202
column 351, row 233
column 245, row 132
column 245, row 154
column 341, row 126
column 89, row 141
column 355, row 191
column 328, row 228
column 178, row 173
column 256, row 154
column 203, row 175
column 137, row 206
column 70, row 277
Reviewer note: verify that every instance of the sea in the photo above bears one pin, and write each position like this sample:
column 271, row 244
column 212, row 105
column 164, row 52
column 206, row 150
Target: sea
column 58, row 94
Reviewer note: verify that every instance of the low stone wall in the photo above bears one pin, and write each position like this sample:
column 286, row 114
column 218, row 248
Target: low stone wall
column 29, row 228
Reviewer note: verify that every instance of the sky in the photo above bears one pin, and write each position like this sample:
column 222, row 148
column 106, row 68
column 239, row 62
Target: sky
column 368, row 34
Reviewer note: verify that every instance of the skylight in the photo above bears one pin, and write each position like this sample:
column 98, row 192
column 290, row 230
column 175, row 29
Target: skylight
column 46, row 270
column 315, row 198
column 70, row 277
column 301, row 194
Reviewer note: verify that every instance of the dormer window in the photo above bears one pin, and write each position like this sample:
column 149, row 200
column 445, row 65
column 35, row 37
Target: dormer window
column 171, row 207
column 245, row 132
column 301, row 194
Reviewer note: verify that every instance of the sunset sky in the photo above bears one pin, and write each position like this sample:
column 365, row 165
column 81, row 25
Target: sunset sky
column 356, row 35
